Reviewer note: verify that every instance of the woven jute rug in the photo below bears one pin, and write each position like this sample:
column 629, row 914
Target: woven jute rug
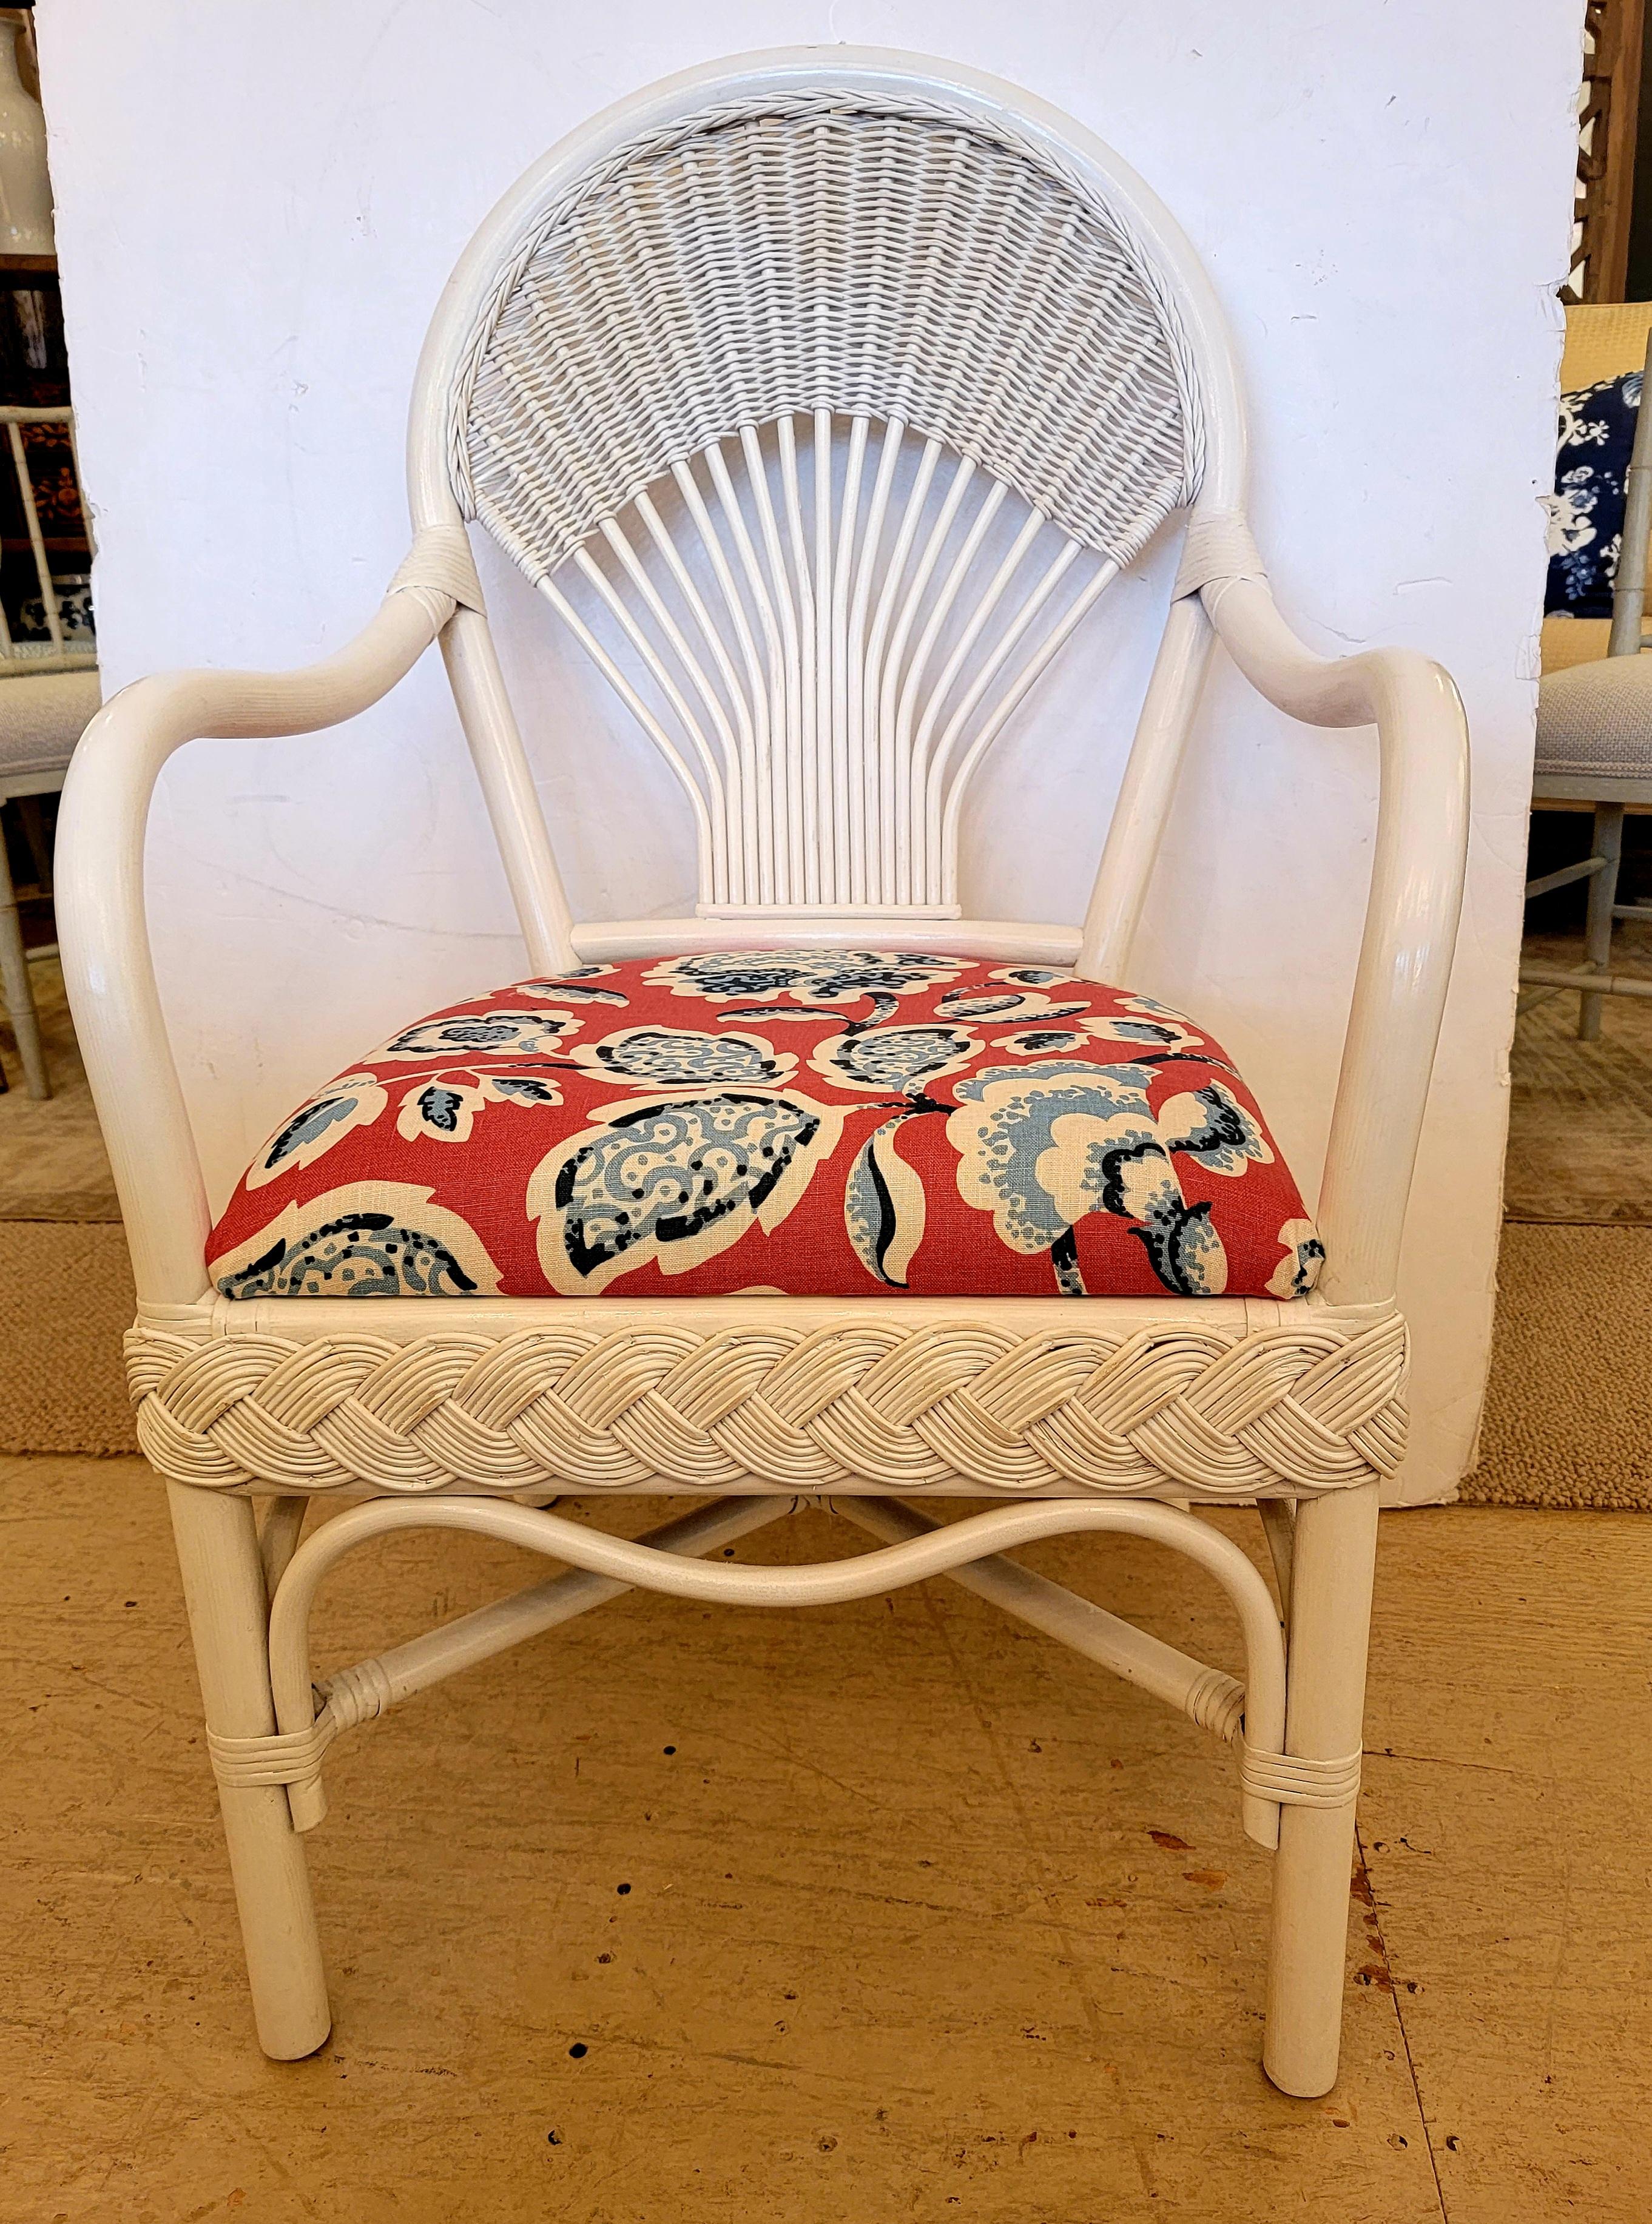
column 65, row 1300
column 1566, row 1410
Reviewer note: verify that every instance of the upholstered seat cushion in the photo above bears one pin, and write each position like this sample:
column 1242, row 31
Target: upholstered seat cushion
column 42, row 716
column 830, row 1123
column 1597, row 719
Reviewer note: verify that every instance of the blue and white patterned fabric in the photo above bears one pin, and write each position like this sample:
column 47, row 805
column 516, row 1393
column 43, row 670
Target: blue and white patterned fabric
column 1585, row 511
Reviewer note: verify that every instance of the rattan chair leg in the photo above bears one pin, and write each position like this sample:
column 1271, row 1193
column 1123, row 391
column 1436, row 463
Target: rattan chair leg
column 278, row 1535
column 223, row 1589
column 1279, row 1527
column 1333, row 1559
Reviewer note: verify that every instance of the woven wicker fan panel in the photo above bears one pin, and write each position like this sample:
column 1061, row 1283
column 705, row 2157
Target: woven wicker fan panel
column 756, row 265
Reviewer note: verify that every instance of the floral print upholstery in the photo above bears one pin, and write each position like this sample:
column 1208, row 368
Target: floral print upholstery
column 837, row 1123
column 1585, row 511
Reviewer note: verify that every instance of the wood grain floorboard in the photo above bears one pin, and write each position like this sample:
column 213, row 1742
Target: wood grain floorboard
column 1507, row 1830
column 53, row 1164
column 886, row 1910
column 1581, row 1114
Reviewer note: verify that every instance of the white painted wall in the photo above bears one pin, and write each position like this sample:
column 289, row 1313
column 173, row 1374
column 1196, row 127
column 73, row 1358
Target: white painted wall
column 257, row 206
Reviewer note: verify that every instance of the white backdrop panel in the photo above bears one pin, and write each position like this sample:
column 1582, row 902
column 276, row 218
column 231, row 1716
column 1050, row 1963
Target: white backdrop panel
column 257, row 207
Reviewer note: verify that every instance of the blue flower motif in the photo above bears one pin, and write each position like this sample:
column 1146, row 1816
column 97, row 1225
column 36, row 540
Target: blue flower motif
column 1041, row 1146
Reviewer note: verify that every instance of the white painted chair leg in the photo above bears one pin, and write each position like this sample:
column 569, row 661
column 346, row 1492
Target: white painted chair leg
column 223, row 1589
column 1334, row 1558
column 1603, row 894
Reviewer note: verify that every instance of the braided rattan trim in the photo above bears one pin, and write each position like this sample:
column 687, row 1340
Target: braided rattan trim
column 1304, row 1408
column 1293, row 1782
column 837, row 248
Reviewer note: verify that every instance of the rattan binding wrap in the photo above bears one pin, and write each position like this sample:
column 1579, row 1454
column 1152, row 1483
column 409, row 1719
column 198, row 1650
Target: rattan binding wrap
column 846, row 1405
column 357, row 1697
column 814, row 252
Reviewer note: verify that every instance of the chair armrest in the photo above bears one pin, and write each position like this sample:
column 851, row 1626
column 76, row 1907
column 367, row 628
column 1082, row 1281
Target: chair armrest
column 1411, row 915
column 104, row 930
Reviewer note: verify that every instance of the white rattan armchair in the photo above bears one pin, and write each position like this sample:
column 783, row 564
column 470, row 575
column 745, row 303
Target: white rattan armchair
column 820, row 393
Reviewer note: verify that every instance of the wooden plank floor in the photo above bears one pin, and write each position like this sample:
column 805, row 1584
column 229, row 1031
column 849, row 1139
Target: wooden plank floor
column 1581, row 1114
column 53, row 1163
column 886, row 1910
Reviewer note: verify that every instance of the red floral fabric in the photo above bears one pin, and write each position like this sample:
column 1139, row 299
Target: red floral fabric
column 836, row 1123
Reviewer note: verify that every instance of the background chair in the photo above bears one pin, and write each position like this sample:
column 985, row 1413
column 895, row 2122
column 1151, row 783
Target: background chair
column 821, row 395
column 1594, row 704
column 49, row 690
column 42, row 716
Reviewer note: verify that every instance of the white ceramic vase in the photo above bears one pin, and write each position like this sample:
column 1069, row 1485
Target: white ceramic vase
column 25, row 185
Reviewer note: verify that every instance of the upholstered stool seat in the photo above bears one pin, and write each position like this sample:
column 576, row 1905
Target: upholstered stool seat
column 42, row 716
column 1597, row 719
column 802, row 1123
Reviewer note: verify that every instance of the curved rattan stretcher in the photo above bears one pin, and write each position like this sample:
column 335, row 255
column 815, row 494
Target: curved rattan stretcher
column 821, row 395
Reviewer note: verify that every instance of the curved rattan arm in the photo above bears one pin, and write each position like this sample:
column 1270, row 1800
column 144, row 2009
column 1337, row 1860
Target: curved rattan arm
column 1411, row 915
column 101, row 922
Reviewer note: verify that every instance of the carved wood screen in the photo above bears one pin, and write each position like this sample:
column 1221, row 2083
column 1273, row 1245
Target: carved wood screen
column 1607, row 115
